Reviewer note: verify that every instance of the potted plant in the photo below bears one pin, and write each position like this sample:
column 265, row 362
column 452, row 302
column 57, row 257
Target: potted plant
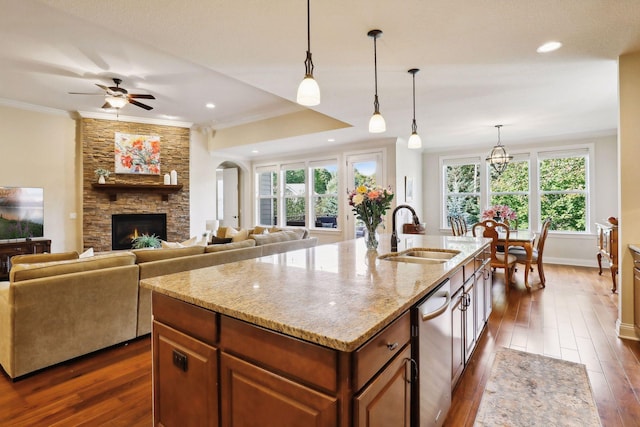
column 145, row 241
column 101, row 174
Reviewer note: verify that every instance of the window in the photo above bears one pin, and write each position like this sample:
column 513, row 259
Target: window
column 563, row 189
column 267, row 182
column 462, row 189
column 324, row 184
column 295, row 195
column 537, row 185
column 511, row 188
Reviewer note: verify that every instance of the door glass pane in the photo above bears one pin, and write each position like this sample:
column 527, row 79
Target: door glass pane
column 294, row 197
column 325, row 196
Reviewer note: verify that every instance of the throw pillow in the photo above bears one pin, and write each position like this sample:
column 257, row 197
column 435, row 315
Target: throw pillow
column 191, row 242
column 259, row 230
column 220, row 240
column 274, row 230
column 237, row 235
column 221, row 232
column 86, row 254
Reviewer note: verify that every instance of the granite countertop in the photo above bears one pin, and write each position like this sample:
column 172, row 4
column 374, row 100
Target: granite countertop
column 336, row 295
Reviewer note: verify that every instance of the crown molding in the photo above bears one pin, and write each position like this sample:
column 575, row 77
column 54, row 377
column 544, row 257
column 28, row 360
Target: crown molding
column 33, row 107
column 132, row 119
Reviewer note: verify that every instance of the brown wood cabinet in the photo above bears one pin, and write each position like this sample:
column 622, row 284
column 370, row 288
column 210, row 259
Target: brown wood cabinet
column 210, row 369
column 608, row 247
column 386, row 401
column 9, row 249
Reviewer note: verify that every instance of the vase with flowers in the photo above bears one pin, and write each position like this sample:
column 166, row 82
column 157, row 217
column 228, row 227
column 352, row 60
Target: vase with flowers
column 500, row 213
column 101, row 174
column 370, row 203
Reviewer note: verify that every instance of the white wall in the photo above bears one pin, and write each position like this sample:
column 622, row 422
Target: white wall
column 202, row 183
column 560, row 248
column 409, row 166
column 39, row 150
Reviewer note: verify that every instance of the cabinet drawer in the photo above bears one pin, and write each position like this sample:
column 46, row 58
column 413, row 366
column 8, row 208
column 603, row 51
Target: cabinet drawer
column 376, row 352
column 314, row 365
column 195, row 321
column 469, row 269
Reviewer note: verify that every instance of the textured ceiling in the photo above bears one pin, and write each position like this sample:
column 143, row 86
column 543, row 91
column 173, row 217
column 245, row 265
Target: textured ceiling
column 477, row 58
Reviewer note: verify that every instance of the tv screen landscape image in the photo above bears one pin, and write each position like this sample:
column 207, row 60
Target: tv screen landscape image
column 21, row 212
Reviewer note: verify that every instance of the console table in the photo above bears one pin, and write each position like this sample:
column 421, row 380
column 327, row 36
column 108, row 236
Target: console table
column 20, row 247
column 608, row 246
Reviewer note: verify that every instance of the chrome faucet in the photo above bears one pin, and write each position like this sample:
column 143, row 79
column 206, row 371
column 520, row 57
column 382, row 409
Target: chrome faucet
column 394, row 234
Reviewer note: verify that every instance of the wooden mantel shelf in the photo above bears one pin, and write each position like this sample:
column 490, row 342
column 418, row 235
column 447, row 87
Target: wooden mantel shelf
column 114, row 189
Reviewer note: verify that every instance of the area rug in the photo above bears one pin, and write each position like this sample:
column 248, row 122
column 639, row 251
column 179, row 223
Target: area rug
column 531, row 390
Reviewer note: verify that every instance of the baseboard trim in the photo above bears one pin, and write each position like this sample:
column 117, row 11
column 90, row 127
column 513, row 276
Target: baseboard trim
column 627, row 331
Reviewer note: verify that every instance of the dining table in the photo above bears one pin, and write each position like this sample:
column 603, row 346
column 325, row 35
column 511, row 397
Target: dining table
column 524, row 239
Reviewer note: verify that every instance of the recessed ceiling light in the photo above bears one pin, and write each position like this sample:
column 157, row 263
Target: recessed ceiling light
column 255, row 151
column 210, row 105
column 549, row 47
column 331, row 140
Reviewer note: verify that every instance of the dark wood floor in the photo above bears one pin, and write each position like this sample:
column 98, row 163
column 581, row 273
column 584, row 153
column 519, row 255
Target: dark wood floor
column 573, row 318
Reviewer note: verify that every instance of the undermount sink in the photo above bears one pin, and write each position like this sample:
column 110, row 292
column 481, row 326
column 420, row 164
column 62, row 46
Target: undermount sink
column 421, row 255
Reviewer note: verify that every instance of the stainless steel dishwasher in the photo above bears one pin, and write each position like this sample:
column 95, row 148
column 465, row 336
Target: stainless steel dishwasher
column 432, row 351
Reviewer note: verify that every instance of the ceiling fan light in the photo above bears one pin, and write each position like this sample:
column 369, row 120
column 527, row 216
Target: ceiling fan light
column 415, row 141
column 377, row 123
column 308, row 92
column 116, row 101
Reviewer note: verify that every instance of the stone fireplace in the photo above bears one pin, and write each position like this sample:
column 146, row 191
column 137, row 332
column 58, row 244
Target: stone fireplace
column 98, row 140
column 125, row 227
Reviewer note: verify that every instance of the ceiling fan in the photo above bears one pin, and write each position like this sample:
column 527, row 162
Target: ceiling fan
column 117, row 97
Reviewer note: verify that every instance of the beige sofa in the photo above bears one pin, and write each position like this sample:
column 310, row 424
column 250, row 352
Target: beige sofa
column 56, row 307
column 54, row 311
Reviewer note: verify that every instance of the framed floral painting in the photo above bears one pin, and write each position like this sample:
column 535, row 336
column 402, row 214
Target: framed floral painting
column 137, row 154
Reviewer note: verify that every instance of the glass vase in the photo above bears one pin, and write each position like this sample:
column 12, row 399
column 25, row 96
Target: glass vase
column 371, row 236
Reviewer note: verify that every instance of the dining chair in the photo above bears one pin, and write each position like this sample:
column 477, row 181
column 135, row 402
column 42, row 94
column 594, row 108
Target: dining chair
column 490, row 228
column 458, row 225
column 536, row 255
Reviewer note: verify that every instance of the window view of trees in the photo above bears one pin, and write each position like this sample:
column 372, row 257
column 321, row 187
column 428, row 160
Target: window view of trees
column 511, row 188
column 563, row 192
column 294, row 197
column 325, row 196
column 462, row 191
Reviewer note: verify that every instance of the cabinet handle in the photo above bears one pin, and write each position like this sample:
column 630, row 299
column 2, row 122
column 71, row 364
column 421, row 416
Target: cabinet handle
column 413, row 367
column 180, row 360
column 392, row 346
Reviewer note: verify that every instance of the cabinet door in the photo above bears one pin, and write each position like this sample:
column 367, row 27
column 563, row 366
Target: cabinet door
column 185, row 389
column 253, row 396
column 480, row 318
column 386, row 401
column 488, row 291
column 457, row 334
column 469, row 318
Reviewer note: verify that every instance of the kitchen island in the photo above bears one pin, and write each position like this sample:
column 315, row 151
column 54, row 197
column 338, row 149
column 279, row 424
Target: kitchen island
column 320, row 336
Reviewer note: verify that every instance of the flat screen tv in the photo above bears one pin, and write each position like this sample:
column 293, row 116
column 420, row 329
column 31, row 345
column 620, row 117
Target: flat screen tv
column 21, row 212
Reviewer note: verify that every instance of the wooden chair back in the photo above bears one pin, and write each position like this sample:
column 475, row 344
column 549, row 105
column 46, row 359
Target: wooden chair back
column 490, row 229
column 458, row 225
column 544, row 231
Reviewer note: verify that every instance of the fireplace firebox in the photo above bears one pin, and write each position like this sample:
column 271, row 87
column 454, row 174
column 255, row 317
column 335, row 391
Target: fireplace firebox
column 125, row 227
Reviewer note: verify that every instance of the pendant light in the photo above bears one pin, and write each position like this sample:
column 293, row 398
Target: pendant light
column 376, row 123
column 498, row 158
column 415, row 141
column 308, row 91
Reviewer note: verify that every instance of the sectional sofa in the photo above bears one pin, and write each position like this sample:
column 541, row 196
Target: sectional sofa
column 56, row 307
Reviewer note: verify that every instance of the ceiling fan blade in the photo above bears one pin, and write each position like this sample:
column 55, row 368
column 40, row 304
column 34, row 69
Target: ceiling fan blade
column 106, row 105
column 141, row 96
column 103, row 87
column 85, row 93
column 140, row 104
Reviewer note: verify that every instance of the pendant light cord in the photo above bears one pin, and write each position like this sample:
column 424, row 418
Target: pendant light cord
column 414, row 126
column 376, row 104
column 308, row 63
